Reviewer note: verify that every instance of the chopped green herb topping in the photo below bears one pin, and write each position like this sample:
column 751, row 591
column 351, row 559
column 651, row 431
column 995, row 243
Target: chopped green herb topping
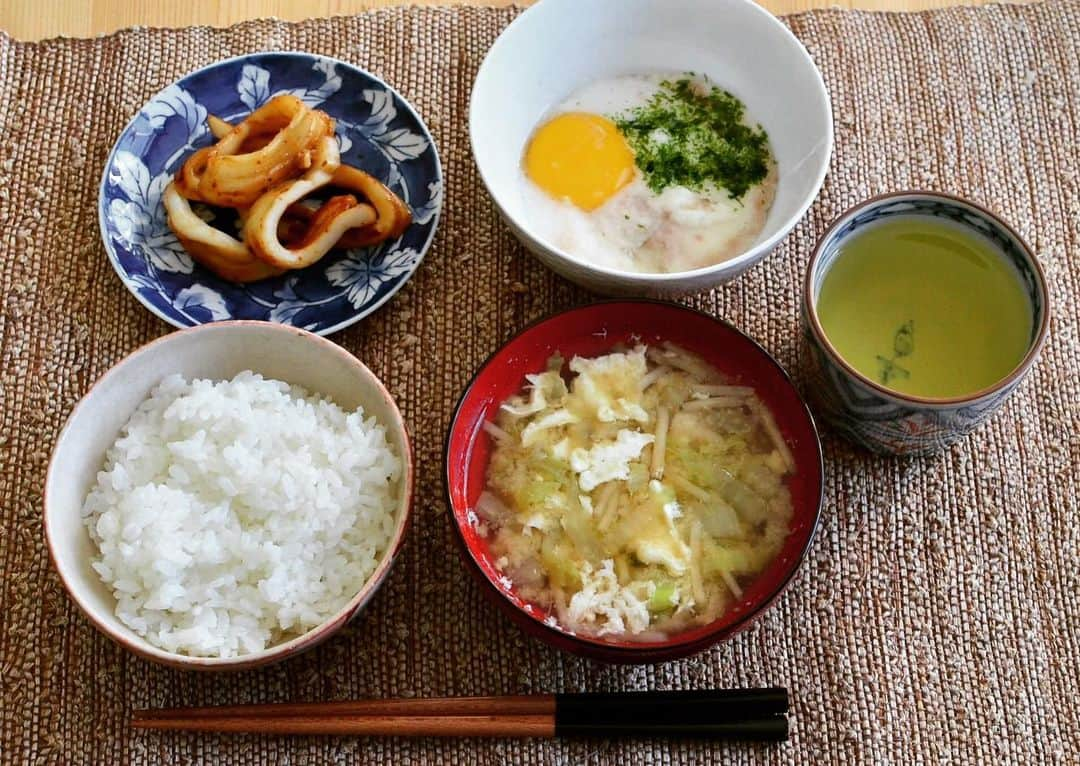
column 693, row 135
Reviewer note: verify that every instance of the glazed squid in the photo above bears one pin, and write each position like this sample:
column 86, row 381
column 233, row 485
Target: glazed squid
column 280, row 170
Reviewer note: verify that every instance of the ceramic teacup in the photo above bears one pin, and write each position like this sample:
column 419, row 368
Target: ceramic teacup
column 879, row 418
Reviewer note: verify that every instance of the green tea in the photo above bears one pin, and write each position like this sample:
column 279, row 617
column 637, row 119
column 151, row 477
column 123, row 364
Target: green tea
column 925, row 307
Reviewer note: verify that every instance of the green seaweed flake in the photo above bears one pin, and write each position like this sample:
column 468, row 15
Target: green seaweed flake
column 694, row 136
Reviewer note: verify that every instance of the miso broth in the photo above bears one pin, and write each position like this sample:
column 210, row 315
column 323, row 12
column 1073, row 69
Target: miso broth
column 636, row 496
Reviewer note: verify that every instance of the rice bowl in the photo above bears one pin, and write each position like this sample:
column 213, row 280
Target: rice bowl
column 219, row 352
column 232, row 515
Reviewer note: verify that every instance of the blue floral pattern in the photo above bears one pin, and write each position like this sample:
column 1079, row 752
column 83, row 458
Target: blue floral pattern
column 377, row 130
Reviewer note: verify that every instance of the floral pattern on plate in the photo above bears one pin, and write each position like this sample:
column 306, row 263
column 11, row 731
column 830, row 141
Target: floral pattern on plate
column 378, row 131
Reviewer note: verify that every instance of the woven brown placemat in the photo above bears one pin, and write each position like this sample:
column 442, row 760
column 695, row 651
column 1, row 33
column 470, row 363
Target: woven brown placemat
column 936, row 619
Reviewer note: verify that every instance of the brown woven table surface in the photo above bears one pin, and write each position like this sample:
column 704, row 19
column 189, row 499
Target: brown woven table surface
column 937, row 619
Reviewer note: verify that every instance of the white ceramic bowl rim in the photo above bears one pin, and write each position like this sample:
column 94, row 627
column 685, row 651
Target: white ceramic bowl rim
column 140, row 645
column 650, row 278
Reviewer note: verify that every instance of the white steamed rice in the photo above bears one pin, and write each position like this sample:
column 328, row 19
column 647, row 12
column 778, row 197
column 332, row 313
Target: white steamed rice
column 234, row 515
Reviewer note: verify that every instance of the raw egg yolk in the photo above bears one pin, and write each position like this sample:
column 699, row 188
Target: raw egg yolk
column 580, row 157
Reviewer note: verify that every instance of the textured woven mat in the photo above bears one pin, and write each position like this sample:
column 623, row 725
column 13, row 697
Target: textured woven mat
column 937, row 618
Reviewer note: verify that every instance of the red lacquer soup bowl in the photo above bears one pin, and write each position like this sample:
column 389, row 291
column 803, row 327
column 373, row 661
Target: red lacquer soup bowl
column 591, row 331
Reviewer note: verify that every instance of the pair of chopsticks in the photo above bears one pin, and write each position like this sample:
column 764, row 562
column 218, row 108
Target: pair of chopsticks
column 738, row 714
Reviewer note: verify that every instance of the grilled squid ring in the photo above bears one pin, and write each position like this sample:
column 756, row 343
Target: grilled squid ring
column 227, row 257
column 231, row 174
column 257, row 138
column 219, row 128
column 231, row 140
column 265, row 216
column 264, row 167
column 392, row 216
column 186, row 181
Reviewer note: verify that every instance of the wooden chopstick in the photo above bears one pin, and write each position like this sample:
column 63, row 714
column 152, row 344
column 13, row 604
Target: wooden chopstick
column 368, row 725
column 756, row 714
column 541, row 704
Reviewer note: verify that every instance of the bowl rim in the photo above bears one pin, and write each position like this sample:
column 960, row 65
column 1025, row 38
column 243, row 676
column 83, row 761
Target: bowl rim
column 357, row 315
column 814, row 321
column 143, row 648
column 743, row 260
column 673, row 645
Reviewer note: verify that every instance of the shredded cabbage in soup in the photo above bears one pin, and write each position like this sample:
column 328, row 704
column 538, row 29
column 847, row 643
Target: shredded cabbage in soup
column 639, row 499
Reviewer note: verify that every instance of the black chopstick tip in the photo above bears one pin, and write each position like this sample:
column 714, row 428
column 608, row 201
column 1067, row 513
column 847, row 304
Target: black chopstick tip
column 772, row 728
column 671, row 707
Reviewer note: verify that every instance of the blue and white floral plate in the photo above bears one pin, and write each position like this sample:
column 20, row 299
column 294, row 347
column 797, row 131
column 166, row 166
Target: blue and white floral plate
column 378, row 130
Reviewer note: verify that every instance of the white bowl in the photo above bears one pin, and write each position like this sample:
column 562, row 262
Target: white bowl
column 558, row 46
column 216, row 351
